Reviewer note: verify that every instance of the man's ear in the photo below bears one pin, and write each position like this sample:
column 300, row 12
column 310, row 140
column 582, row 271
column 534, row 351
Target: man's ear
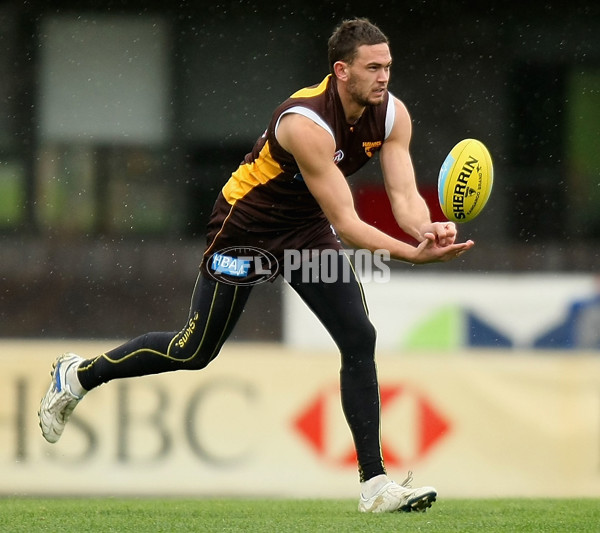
column 340, row 68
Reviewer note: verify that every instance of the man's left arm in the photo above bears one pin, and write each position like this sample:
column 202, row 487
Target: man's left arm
column 409, row 208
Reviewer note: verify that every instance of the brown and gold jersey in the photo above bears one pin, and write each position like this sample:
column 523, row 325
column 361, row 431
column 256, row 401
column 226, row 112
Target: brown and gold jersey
column 266, row 203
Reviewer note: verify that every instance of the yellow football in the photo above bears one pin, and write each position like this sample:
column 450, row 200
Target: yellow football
column 465, row 181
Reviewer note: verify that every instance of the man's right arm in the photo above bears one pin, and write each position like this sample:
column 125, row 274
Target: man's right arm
column 313, row 149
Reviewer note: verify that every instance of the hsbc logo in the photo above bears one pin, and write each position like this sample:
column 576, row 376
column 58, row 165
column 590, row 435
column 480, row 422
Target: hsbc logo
column 411, row 427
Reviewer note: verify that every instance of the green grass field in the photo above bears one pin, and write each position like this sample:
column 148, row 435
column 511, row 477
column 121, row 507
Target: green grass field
column 280, row 516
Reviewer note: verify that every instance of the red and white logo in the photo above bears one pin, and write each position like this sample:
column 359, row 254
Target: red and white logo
column 338, row 156
column 411, row 427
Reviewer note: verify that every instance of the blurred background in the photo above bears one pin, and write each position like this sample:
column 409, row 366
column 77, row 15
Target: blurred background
column 121, row 121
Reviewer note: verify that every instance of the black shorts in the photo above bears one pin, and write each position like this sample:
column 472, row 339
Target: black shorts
column 244, row 248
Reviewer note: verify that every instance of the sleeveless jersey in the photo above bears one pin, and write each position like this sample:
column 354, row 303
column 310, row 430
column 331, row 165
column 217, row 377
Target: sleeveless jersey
column 266, row 205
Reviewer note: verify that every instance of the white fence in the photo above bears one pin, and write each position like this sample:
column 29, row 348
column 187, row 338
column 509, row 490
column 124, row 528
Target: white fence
column 446, row 311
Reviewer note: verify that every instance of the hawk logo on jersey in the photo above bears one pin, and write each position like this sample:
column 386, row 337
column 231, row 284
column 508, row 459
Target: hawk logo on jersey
column 338, row 156
column 371, row 147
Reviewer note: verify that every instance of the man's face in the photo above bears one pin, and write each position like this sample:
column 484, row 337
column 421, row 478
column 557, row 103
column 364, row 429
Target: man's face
column 369, row 74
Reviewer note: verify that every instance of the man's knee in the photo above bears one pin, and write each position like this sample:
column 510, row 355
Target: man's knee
column 361, row 337
column 191, row 352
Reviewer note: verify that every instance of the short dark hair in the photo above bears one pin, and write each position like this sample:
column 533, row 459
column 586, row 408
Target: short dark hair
column 348, row 36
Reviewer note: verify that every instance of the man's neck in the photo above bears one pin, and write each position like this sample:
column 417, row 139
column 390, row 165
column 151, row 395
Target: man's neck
column 352, row 110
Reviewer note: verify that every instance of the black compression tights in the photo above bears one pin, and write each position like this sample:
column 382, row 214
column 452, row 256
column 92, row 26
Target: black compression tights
column 214, row 311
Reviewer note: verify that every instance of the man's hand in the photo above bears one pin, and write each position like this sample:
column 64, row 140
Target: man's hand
column 444, row 233
column 431, row 249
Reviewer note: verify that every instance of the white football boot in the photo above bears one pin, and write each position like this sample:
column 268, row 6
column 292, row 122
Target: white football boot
column 59, row 401
column 393, row 497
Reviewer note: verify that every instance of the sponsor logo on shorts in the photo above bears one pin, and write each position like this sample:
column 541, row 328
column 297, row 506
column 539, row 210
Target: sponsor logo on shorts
column 245, row 265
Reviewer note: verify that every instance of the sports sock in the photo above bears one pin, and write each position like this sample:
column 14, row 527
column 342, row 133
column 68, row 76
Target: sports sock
column 73, row 381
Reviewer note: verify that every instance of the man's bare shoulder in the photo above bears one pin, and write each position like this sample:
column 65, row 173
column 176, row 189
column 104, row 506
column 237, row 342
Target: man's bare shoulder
column 294, row 128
